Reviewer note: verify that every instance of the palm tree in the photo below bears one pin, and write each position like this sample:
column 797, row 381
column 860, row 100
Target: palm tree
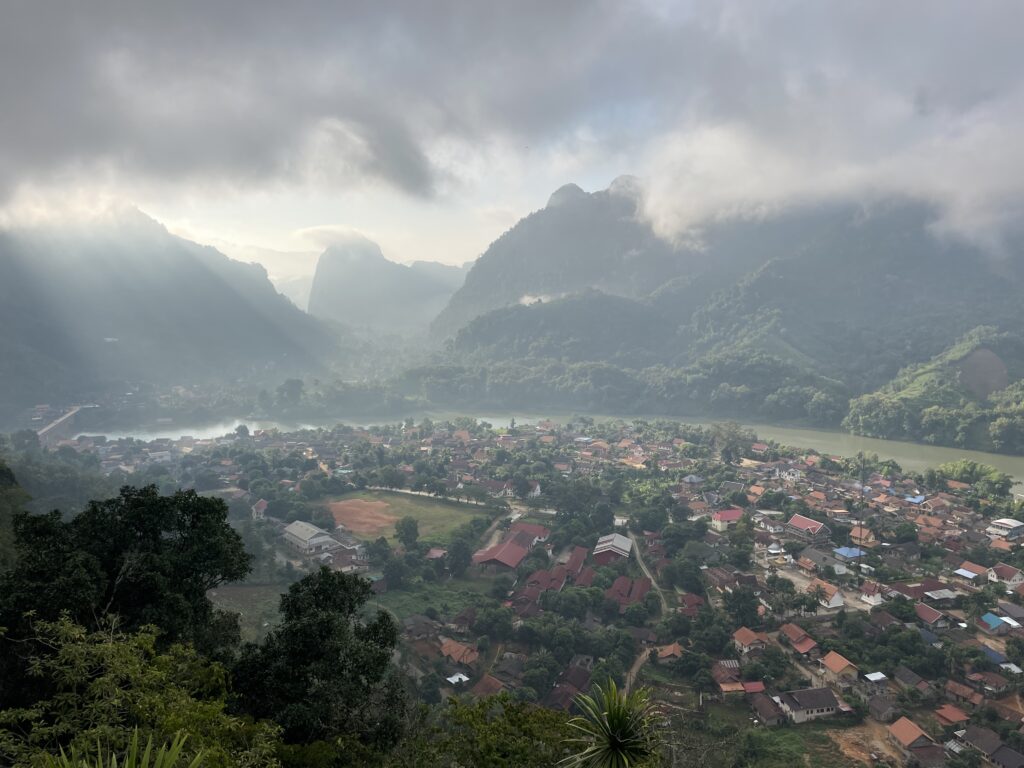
column 167, row 756
column 616, row 729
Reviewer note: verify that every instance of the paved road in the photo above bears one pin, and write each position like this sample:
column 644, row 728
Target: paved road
column 409, row 492
column 648, row 574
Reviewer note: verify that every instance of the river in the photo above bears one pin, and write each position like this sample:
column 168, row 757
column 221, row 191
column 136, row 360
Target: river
column 910, row 456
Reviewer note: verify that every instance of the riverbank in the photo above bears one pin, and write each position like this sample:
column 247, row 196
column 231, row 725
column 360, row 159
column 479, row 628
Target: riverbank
column 911, row 456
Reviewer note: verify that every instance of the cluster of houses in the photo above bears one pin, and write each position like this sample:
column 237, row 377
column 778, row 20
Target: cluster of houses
column 842, row 572
column 836, row 679
column 841, row 549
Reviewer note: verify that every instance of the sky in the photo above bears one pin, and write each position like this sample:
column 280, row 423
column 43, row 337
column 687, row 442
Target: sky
column 432, row 127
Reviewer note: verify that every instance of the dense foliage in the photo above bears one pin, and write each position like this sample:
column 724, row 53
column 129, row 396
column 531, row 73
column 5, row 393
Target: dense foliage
column 970, row 396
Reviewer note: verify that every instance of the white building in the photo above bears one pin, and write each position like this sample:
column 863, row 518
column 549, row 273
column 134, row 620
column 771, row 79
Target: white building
column 612, row 546
column 308, row 539
column 1005, row 528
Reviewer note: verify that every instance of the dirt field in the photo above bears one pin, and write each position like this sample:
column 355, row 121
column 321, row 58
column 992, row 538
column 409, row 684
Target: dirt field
column 861, row 742
column 371, row 514
column 1013, row 701
column 364, row 518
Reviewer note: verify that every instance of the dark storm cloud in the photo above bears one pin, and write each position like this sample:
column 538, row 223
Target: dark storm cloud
column 758, row 102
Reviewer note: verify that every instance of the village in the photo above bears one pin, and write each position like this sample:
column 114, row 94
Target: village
column 724, row 573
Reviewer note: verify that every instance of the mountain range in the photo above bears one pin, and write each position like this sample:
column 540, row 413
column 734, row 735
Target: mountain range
column 123, row 299
column 357, row 286
column 786, row 315
column 835, row 313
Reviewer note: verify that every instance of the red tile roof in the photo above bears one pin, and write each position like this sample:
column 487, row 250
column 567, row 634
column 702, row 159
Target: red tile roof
column 586, row 577
column 576, row 560
column 906, row 731
column 744, row 637
column 458, row 652
column 805, row 524
column 728, row 515
column 948, row 714
column 927, row 614
column 835, row 662
column 509, row 553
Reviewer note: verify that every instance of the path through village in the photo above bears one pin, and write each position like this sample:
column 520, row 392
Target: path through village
column 645, row 653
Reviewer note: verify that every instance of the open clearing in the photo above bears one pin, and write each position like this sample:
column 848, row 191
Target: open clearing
column 363, row 518
column 256, row 604
column 861, row 742
column 371, row 514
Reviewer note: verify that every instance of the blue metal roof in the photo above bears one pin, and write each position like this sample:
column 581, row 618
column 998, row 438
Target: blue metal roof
column 849, row 552
column 992, row 654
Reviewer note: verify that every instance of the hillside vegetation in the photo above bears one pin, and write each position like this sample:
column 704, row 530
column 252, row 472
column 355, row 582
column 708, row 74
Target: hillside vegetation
column 785, row 317
column 971, row 395
column 126, row 300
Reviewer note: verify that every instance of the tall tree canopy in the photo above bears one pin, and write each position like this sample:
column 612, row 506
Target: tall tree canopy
column 145, row 558
column 325, row 673
column 103, row 687
column 12, row 500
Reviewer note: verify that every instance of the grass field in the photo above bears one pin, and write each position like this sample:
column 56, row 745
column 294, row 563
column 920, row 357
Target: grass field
column 256, row 605
column 371, row 514
column 449, row 597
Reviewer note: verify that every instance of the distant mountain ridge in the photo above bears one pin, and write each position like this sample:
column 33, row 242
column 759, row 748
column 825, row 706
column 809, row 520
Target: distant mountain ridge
column 779, row 317
column 578, row 241
column 126, row 300
column 355, row 284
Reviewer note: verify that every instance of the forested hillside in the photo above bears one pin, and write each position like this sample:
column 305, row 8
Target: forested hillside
column 125, row 300
column 972, row 394
column 577, row 241
column 784, row 317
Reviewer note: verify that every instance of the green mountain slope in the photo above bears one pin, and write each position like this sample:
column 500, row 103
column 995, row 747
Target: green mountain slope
column 783, row 317
column 577, row 242
column 126, row 300
column 884, row 293
column 971, row 395
column 585, row 326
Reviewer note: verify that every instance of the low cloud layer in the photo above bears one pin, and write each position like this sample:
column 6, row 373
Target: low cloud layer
column 722, row 109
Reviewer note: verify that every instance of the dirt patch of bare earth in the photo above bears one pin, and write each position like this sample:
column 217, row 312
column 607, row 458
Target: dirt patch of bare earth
column 862, row 742
column 983, row 372
column 363, row 518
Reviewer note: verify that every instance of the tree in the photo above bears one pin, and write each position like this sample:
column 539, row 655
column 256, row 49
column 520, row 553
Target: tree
column 636, row 614
column 742, row 605
column 521, row 486
column 459, row 557
column 12, row 500
column 615, row 729
column 147, row 558
column 396, row 572
column 407, row 530
column 109, row 686
column 378, row 550
column 325, row 673
column 498, row 732
column 290, row 392
column 390, row 477
column 166, row 756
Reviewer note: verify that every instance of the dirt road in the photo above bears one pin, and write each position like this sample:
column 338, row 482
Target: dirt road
column 648, row 574
column 634, row 670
